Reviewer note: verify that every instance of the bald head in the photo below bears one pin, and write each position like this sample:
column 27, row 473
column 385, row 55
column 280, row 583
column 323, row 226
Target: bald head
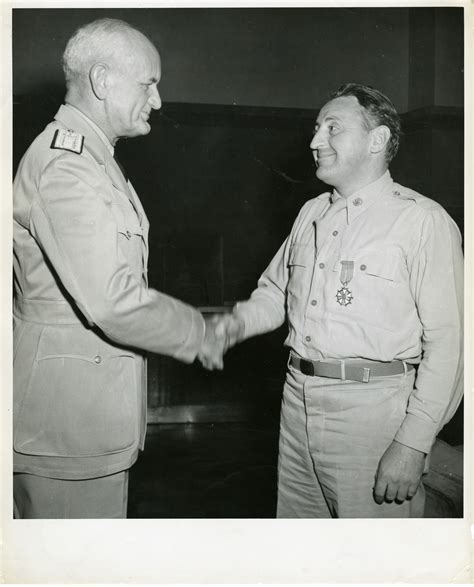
column 107, row 40
column 112, row 74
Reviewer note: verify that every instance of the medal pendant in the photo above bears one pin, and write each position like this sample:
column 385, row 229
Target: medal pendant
column 344, row 296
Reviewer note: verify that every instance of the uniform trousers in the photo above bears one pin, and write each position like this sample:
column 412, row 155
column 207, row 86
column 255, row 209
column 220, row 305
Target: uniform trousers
column 332, row 436
column 46, row 498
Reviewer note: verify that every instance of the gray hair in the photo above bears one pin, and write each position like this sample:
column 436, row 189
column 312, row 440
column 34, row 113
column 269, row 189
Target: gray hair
column 92, row 42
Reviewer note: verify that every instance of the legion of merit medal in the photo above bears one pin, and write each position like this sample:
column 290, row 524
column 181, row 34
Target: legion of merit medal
column 344, row 296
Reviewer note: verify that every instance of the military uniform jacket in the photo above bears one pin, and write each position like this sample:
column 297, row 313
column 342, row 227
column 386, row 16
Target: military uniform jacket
column 83, row 313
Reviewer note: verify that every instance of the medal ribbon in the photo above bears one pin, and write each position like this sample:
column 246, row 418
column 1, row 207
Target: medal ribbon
column 347, row 271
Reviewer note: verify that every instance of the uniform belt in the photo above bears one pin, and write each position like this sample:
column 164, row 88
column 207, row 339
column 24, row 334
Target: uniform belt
column 44, row 311
column 349, row 370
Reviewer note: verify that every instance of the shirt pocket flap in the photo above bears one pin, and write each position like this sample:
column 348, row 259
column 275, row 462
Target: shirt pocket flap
column 374, row 264
column 298, row 255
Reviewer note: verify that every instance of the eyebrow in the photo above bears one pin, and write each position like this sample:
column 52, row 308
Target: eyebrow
column 336, row 118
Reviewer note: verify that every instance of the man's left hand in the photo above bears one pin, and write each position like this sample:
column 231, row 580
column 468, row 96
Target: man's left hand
column 399, row 473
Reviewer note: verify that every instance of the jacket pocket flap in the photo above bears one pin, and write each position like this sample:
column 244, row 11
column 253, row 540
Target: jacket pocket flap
column 61, row 343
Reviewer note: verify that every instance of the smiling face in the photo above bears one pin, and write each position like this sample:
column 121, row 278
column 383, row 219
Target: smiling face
column 342, row 146
column 132, row 91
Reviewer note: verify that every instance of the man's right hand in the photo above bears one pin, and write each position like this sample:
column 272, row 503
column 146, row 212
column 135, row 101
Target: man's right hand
column 213, row 346
column 231, row 328
column 222, row 333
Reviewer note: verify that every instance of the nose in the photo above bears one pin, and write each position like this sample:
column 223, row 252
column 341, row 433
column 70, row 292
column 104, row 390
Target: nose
column 155, row 98
column 317, row 140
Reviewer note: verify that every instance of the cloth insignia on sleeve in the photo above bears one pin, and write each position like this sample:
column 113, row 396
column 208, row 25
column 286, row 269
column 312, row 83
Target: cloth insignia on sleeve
column 68, row 140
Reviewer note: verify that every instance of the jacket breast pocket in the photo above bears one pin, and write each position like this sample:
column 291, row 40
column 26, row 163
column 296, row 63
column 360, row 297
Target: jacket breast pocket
column 80, row 400
column 129, row 227
column 130, row 237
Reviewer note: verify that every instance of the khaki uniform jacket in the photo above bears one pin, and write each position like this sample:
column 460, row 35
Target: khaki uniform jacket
column 83, row 313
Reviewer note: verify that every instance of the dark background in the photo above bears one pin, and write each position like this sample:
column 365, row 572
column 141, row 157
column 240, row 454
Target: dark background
column 227, row 165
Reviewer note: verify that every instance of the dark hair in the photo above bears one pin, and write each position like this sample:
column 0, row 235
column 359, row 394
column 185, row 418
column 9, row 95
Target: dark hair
column 377, row 110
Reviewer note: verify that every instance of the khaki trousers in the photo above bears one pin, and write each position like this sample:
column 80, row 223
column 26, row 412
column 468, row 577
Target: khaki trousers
column 45, row 498
column 332, row 436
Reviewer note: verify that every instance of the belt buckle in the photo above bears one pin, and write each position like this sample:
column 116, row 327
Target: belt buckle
column 356, row 373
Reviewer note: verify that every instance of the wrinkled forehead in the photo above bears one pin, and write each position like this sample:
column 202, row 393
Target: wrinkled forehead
column 343, row 108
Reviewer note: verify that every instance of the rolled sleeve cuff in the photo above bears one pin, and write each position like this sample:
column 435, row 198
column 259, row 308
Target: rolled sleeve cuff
column 417, row 433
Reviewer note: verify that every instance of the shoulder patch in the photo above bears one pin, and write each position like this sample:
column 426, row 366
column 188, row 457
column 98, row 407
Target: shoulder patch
column 68, row 140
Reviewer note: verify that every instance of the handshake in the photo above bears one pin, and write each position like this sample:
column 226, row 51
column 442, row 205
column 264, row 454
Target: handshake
column 222, row 333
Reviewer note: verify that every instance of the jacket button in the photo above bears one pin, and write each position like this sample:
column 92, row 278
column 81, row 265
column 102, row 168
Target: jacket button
column 308, row 338
column 363, row 267
column 357, row 202
column 97, row 359
column 321, row 265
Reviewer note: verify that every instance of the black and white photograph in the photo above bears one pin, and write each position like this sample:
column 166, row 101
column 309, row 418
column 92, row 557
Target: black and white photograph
column 237, row 291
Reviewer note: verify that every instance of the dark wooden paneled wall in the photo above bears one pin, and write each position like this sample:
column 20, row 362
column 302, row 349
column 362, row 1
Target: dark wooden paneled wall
column 221, row 186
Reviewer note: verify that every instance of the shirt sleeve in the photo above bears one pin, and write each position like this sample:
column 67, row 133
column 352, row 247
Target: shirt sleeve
column 265, row 310
column 267, row 307
column 73, row 223
column 436, row 281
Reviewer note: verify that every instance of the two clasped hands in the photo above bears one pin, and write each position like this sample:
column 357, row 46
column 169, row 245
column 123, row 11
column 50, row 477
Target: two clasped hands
column 222, row 333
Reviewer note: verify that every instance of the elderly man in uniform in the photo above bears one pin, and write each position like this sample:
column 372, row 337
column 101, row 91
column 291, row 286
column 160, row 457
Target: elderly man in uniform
column 370, row 281
column 83, row 313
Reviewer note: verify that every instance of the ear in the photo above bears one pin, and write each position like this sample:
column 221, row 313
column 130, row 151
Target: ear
column 380, row 138
column 98, row 79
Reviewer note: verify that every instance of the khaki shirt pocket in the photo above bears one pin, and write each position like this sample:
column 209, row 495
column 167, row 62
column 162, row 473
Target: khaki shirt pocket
column 80, row 402
column 300, row 261
column 370, row 264
column 380, row 265
column 375, row 287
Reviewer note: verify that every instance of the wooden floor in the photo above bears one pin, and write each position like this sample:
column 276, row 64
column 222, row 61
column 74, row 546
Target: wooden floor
column 225, row 470
column 221, row 460
column 228, row 470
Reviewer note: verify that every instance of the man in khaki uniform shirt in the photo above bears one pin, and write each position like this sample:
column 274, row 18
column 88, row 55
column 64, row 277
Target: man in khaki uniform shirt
column 370, row 280
column 83, row 312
